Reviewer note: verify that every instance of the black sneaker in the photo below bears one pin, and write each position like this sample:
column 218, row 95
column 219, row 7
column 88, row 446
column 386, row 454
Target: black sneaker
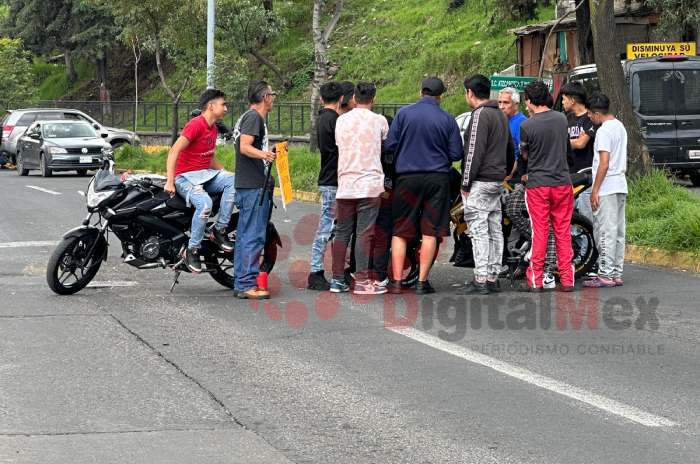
column 394, row 287
column 193, row 261
column 317, row 281
column 494, row 287
column 525, row 288
column 220, row 238
column 424, row 288
column 474, row 288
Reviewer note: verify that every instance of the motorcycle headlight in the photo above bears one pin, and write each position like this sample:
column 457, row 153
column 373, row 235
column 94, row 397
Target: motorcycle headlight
column 95, row 199
column 57, row 150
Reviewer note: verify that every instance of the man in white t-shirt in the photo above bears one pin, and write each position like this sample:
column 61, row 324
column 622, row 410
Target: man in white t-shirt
column 358, row 134
column 609, row 192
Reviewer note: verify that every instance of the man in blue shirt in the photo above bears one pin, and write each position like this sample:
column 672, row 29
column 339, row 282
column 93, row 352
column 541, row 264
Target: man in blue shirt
column 426, row 141
column 509, row 103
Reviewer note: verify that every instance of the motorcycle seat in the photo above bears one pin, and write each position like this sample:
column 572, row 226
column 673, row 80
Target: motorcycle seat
column 178, row 203
column 581, row 179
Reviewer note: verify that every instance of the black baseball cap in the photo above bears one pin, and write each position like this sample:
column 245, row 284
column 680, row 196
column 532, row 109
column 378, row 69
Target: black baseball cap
column 433, row 86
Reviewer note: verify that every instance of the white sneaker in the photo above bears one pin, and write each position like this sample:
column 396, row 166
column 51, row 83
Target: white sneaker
column 382, row 284
column 548, row 281
column 368, row 287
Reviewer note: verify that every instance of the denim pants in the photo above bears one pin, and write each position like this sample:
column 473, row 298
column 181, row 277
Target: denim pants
column 609, row 232
column 250, row 236
column 362, row 215
column 482, row 211
column 195, row 188
column 325, row 226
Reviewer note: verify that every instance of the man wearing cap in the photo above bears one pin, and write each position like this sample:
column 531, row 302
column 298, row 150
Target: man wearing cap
column 426, row 141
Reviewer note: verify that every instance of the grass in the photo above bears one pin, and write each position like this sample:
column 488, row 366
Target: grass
column 53, row 82
column 303, row 164
column 662, row 215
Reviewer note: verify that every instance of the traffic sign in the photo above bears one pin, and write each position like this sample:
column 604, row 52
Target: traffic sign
column 516, row 82
column 648, row 50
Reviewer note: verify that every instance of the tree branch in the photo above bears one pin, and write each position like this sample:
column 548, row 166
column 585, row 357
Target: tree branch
column 546, row 42
column 337, row 9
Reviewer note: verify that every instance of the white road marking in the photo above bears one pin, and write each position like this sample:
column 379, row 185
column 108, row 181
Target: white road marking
column 606, row 404
column 41, row 189
column 112, row 283
column 27, row 244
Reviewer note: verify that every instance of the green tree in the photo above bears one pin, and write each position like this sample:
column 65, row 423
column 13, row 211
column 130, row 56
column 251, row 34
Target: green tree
column 169, row 29
column 16, row 70
column 680, row 19
column 244, row 25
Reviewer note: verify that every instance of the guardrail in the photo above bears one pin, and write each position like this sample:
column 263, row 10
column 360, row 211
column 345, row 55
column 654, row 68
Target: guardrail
column 286, row 119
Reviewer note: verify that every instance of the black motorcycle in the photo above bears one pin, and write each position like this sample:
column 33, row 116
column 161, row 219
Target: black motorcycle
column 153, row 230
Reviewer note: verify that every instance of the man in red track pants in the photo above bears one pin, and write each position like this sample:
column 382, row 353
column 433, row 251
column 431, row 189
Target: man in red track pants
column 549, row 194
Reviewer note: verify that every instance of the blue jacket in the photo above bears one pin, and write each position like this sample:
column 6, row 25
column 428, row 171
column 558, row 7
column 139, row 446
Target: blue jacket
column 424, row 138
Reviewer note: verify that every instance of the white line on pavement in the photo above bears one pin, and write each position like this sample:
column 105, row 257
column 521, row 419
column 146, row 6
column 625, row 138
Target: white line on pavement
column 579, row 394
column 43, row 190
column 27, row 244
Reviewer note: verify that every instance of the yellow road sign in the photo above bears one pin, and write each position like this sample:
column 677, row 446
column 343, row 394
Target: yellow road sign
column 648, row 50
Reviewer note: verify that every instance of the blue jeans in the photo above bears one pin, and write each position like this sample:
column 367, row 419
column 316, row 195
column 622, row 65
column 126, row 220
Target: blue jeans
column 250, row 237
column 325, row 226
column 195, row 188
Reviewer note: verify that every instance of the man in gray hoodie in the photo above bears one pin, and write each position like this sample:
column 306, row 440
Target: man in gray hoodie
column 488, row 154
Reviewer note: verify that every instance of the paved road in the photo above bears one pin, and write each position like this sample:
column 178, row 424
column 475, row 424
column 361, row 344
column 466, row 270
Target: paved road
column 127, row 372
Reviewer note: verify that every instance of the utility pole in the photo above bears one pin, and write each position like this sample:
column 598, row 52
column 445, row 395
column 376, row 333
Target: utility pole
column 211, row 24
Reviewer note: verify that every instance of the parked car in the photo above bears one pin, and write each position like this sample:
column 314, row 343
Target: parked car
column 665, row 93
column 16, row 122
column 61, row 145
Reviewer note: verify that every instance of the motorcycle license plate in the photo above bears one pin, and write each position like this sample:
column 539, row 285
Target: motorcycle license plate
column 694, row 154
column 85, row 159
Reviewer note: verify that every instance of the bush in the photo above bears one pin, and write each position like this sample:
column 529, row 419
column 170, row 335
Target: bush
column 662, row 215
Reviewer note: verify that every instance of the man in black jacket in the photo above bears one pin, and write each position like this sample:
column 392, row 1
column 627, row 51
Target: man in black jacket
column 488, row 152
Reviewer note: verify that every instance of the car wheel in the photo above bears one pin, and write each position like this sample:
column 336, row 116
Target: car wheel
column 118, row 143
column 45, row 171
column 82, row 172
column 20, row 166
column 695, row 178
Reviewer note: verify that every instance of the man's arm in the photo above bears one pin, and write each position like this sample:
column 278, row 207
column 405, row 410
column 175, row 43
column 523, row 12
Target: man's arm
column 475, row 149
column 599, row 178
column 180, row 144
column 247, row 149
column 580, row 142
column 216, row 164
column 392, row 139
column 455, row 147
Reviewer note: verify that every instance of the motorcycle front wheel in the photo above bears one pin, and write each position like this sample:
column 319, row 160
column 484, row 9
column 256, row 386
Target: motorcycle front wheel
column 70, row 267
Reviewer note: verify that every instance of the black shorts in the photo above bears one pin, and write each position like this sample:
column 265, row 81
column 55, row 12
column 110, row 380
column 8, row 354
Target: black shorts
column 422, row 205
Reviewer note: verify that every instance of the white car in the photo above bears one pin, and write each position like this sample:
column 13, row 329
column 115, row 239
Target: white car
column 463, row 121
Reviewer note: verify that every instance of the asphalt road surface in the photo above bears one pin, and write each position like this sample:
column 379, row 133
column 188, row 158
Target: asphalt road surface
column 127, row 372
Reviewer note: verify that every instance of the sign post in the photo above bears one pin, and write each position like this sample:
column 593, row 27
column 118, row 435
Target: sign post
column 649, row 50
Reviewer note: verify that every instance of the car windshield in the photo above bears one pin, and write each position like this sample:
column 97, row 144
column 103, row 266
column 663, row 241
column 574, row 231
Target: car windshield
column 63, row 130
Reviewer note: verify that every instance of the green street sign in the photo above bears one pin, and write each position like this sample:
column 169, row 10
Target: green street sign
column 517, row 82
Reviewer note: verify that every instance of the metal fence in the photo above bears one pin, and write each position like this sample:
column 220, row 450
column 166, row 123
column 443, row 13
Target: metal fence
column 286, row 118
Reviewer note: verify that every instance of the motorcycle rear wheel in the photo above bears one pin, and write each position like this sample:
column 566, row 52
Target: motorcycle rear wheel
column 583, row 243
column 221, row 264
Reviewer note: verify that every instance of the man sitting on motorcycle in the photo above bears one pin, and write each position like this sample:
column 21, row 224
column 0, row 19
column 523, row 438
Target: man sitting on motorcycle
column 194, row 172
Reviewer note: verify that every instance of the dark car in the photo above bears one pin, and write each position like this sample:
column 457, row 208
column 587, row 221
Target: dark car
column 665, row 93
column 61, row 146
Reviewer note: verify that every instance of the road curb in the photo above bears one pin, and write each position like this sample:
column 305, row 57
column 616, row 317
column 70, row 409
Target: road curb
column 678, row 260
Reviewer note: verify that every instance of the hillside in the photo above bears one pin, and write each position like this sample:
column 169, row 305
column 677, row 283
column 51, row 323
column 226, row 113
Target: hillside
column 392, row 42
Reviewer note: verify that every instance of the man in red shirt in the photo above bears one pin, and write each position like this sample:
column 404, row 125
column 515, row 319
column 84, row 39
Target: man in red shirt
column 194, row 173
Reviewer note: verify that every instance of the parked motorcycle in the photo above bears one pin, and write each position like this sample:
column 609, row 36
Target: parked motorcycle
column 516, row 247
column 152, row 228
